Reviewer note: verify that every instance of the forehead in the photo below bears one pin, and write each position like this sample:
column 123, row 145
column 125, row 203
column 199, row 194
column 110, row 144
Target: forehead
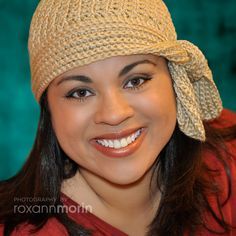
column 114, row 63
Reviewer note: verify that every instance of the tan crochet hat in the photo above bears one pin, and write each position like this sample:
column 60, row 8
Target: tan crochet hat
column 65, row 34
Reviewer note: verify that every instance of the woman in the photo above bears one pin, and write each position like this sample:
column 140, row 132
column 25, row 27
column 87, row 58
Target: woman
column 132, row 139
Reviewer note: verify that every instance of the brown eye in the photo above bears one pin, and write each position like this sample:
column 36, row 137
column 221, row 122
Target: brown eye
column 79, row 93
column 136, row 82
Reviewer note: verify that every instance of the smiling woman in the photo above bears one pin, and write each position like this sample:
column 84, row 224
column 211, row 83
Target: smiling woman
column 132, row 137
column 95, row 121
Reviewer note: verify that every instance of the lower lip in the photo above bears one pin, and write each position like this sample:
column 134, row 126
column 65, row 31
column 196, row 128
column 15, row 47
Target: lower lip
column 120, row 152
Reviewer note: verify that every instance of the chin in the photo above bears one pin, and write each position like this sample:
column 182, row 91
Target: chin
column 124, row 178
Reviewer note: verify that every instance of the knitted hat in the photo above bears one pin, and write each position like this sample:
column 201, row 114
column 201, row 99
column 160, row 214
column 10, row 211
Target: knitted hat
column 65, row 34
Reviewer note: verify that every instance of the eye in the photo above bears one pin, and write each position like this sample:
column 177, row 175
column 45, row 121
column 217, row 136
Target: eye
column 136, row 82
column 79, row 94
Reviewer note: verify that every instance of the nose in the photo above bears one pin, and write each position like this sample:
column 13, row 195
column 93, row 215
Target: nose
column 113, row 109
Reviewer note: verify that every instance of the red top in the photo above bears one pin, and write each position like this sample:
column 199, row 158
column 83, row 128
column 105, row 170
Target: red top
column 101, row 228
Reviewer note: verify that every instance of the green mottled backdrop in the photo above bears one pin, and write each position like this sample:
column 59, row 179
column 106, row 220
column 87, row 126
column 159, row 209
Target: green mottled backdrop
column 210, row 24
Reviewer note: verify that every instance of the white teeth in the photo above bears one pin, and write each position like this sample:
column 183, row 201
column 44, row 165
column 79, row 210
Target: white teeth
column 117, row 144
column 129, row 140
column 121, row 142
column 106, row 142
column 137, row 133
column 132, row 137
column 111, row 144
column 101, row 142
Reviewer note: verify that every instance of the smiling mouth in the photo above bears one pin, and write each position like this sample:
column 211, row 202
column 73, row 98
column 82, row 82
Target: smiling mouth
column 120, row 143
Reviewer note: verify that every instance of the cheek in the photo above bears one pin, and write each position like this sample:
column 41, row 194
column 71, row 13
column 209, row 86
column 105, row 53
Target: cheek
column 69, row 123
column 159, row 104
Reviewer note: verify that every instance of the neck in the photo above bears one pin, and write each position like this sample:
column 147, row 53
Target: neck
column 107, row 199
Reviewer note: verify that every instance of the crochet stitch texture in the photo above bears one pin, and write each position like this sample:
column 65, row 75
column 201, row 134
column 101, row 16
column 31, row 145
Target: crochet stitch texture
column 65, row 34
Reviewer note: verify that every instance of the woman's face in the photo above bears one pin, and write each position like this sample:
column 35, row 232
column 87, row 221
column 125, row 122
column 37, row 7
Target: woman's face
column 113, row 117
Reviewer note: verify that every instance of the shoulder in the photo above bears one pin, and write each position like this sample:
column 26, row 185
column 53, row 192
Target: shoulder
column 226, row 119
column 224, row 170
column 52, row 227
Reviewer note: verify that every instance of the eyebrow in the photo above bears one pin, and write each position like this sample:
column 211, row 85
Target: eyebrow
column 81, row 78
column 128, row 68
column 124, row 71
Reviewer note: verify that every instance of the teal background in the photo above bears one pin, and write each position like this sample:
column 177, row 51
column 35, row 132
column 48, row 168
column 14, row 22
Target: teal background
column 210, row 24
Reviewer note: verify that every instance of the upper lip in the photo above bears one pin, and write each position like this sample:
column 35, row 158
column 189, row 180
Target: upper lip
column 118, row 134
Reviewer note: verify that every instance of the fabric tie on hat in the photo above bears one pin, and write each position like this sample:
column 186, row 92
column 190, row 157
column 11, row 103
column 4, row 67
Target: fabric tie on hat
column 65, row 34
column 197, row 96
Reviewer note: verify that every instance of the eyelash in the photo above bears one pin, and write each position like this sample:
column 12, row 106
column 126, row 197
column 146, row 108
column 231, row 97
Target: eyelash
column 71, row 94
column 145, row 78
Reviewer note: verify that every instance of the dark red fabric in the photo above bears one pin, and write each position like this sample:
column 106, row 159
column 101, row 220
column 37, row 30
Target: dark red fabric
column 101, row 228
column 226, row 119
column 89, row 220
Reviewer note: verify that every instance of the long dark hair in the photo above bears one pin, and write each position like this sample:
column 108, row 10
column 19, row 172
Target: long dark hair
column 183, row 178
